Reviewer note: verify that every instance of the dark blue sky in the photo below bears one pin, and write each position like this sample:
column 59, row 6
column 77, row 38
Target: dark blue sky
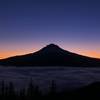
column 27, row 25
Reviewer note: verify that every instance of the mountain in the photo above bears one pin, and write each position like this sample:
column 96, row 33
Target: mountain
column 51, row 55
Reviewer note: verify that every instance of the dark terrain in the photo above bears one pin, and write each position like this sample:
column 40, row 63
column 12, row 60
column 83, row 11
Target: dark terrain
column 32, row 92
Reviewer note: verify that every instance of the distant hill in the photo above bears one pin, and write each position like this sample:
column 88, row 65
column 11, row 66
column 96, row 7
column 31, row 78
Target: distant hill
column 51, row 55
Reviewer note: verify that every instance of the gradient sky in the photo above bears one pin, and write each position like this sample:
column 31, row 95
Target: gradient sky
column 28, row 25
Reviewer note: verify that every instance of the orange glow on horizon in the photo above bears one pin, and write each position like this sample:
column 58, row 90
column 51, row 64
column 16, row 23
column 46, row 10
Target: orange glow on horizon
column 6, row 54
column 93, row 54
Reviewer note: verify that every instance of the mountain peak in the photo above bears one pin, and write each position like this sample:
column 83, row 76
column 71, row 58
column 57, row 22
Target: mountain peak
column 51, row 48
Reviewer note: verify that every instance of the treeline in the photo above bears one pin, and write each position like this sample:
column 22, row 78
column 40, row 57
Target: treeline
column 32, row 92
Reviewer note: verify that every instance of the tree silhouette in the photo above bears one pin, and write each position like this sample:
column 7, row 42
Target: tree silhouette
column 30, row 90
column 2, row 90
column 22, row 95
column 52, row 89
column 11, row 91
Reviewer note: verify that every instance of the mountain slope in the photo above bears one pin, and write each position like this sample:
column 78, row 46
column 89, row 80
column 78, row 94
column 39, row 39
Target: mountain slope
column 51, row 55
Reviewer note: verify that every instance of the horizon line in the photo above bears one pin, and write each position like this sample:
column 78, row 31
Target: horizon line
column 25, row 53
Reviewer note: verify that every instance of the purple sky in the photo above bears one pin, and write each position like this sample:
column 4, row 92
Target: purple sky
column 28, row 25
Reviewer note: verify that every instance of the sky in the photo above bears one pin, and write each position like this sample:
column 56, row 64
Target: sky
column 28, row 25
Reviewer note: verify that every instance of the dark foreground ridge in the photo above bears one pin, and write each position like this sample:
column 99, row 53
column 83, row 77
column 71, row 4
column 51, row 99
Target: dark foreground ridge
column 51, row 55
column 33, row 92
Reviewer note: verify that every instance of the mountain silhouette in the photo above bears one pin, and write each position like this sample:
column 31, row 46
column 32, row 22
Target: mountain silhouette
column 51, row 55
